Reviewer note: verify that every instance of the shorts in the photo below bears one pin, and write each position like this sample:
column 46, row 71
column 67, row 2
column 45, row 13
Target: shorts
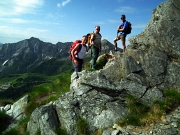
column 122, row 37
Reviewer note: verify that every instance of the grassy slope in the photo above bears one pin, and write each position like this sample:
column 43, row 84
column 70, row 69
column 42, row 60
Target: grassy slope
column 40, row 88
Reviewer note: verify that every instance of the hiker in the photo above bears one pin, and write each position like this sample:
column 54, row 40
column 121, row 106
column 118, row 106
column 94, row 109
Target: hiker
column 77, row 59
column 122, row 35
column 95, row 43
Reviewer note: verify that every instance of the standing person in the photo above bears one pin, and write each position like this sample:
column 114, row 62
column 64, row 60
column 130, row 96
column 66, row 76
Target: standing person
column 77, row 58
column 95, row 43
column 122, row 29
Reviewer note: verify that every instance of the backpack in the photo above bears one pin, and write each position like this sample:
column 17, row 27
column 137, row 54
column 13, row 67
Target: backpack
column 129, row 28
column 72, row 47
column 89, row 37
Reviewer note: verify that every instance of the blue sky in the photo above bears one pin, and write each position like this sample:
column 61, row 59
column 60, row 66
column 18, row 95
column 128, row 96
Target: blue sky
column 67, row 20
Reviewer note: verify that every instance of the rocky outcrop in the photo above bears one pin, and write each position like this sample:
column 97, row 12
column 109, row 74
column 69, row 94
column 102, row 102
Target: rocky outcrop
column 149, row 66
column 15, row 111
column 162, row 31
column 159, row 45
column 43, row 119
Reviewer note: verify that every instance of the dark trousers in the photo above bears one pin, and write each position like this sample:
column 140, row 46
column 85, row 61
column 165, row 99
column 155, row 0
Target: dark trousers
column 95, row 54
column 78, row 68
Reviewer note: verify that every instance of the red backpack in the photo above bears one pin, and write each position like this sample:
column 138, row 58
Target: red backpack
column 72, row 47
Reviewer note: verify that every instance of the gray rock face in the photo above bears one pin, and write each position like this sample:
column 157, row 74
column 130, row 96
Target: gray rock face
column 149, row 66
column 16, row 111
column 44, row 119
column 94, row 103
column 162, row 31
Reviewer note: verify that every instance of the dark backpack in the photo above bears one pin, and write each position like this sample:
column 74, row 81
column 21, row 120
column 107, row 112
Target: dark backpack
column 72, row 47
column 129, row 28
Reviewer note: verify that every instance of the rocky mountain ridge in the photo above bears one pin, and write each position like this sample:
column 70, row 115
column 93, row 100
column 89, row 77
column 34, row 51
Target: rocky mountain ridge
column 30, row 54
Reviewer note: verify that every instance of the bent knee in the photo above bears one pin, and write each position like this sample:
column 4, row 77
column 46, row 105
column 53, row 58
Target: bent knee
column 115, row 39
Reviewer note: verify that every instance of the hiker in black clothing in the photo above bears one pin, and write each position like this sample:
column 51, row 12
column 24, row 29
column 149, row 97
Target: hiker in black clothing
column 122, row 35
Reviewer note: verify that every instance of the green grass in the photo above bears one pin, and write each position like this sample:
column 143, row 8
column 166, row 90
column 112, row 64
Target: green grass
column 44, row 93
column 99, row 65
column 172, row 99
column 61, row 131
column 143, row 115
column 82, row 126
column 4, row 121
column 42, row 90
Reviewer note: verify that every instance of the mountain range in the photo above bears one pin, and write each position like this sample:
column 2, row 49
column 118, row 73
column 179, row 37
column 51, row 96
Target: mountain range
column 36, row 56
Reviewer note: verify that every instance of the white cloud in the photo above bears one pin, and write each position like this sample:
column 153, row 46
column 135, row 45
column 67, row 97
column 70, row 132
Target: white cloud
column 125, row 9
column 113, row 21
column 139, row 26
column 23, row 21
column 13, row 20
column 19, row 7
column 16, row 32
column 12, row 34
column 64, row 3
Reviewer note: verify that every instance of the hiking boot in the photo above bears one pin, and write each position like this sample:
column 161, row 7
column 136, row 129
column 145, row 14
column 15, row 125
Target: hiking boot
column 115, row 49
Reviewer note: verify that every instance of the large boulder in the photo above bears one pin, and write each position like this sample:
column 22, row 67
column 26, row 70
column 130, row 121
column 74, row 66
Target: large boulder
column 16, row 111
column 43, row 119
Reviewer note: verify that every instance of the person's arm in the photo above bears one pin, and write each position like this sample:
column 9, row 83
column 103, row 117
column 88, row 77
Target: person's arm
column 121, row 29
column 91, row 40
column 72, row 54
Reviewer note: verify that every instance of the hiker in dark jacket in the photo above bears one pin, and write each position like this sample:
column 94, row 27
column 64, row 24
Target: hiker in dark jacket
column 77, row 60
column 95, row 43
column 122, row 35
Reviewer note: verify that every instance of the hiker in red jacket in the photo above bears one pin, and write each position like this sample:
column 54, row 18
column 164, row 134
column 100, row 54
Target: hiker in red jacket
column 77, row 58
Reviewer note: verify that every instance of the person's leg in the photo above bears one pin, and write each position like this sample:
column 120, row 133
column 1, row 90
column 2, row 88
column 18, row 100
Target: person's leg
column 76, row 69
column 115, row 42
column 80, row 65
column 95, row 53
column 124, row 43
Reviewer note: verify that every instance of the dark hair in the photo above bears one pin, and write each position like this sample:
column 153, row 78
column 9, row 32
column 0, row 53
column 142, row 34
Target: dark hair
column 97, row 26
column 88, row 34
column 84, row 36
column 123, row 16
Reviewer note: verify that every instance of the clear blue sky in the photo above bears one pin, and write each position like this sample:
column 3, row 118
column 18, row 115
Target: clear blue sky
column 67, row 20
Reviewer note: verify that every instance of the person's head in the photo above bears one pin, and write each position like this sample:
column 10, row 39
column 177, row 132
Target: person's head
column 88, row 38
column 84, row 39
column 123, row 17
column 97, row 28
